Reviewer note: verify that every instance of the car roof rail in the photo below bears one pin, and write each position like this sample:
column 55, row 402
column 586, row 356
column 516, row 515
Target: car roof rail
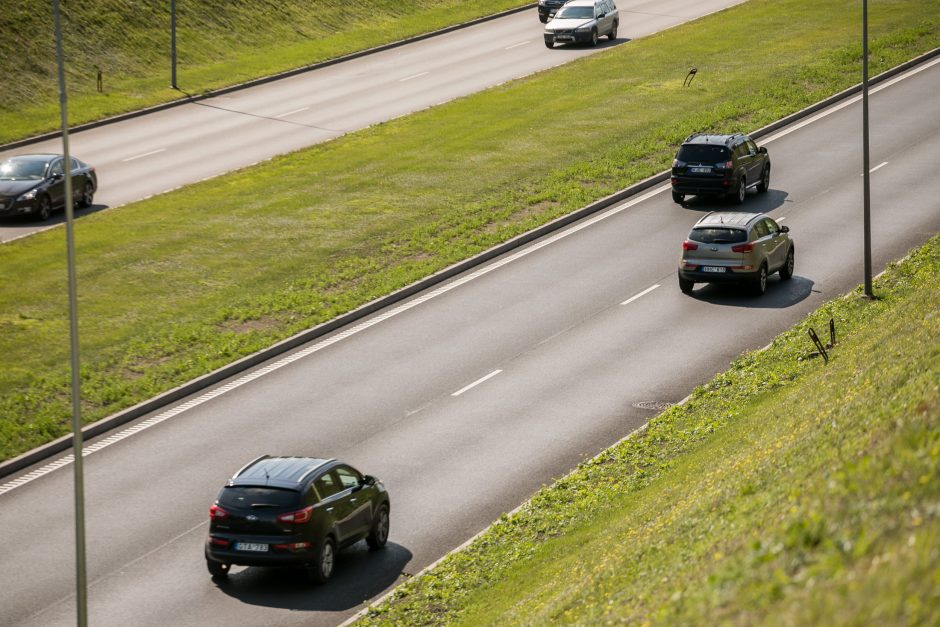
column 315, row 468
column 249, row 465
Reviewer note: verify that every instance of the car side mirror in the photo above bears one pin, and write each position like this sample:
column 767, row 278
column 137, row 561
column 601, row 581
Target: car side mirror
column 368, row 480
column 762, row 150
column 784, row 229
column 57, row 176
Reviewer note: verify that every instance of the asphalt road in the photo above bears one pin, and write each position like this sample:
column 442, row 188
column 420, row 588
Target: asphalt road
column 149, row 155
column 466, row 399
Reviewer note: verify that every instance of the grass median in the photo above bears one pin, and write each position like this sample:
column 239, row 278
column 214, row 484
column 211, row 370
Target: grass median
column 177, row 285
column 217, row 46
column 786, row 491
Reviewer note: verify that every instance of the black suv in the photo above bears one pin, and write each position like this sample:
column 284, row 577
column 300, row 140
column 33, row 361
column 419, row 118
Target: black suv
column 548, row 8
column 294, row 511
column 717, row 165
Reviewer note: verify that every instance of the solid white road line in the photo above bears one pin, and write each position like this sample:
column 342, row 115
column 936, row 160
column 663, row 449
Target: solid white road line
column 643, row 293
column 476, row 383
column 146, row 154
column 284, row 115
column 413, row 76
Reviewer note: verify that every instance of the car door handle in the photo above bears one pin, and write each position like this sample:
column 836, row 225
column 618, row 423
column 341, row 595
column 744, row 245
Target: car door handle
column 352, row 500
column 329, row 509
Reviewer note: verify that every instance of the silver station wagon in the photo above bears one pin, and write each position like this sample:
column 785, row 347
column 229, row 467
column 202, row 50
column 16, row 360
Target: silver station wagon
column 728, row 246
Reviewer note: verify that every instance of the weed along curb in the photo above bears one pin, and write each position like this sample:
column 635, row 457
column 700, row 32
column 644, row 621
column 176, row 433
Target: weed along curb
column 201, row 383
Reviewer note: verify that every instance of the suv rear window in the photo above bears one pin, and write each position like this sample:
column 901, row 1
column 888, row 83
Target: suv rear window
column 703, row 153
column 718, row 235
column 250, row 496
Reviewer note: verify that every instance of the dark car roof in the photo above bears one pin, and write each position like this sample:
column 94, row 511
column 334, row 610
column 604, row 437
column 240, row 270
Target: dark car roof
column 728, row 218
column 704, row 138
column 279, row 472
column 39, row 157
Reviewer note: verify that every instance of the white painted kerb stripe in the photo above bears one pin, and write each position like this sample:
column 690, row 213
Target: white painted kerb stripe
column 476, row 383
column 643, row 293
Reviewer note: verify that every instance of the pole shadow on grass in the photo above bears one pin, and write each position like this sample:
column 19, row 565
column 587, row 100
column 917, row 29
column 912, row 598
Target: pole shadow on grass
column 360, row 575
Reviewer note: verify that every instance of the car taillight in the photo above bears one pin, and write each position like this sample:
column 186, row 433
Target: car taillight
column 217, row 513
column 727, row 165
column 743, row 248
column 300, row 516
column 687, row 245
column 293, row 546
column 219, row 541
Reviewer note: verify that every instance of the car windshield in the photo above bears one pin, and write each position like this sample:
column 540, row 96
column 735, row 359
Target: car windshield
column 257, row 497
column 576, row 13
column 718, row 235
column 22, row 170
column 703, row 153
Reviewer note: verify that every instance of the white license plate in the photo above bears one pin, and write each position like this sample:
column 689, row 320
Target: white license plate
column 713, row 269
column 251, row 546
column 700, row 170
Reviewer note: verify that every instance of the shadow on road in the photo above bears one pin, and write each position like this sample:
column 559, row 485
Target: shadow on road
column 18, row 226
column 754, row 203
column 779, row 294
column 360, row 575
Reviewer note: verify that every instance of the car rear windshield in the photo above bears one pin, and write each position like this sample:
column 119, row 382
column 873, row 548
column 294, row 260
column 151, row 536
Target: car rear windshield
column 703, row 153
column 257, row 497
column 718, row 235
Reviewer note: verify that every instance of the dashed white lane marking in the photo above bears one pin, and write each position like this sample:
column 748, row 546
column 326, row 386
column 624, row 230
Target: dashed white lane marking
column 329, row 341
column 146, row 154
column 476, row 383
column 284, row 115
column 413, row 76
column 641, row 294
column 521, row 43
column 878, row 167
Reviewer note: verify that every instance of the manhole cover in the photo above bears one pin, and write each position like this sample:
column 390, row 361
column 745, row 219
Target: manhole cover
column 653, row 405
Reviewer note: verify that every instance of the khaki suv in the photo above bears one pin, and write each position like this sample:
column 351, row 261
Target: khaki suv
column 732, row 247
column 719, row 165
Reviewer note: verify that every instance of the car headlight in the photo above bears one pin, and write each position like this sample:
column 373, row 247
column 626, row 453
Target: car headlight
column 30, row 195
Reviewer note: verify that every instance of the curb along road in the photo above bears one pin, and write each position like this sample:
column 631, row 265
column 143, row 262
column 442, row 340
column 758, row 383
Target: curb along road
column 167, row 398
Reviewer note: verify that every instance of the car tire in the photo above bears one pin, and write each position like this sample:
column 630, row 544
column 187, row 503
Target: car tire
column 321, row 570
column 44, row 210
column 759, row 286
column 612, row 35
column 378, row 535
column 764, row 184
column 87, row 198
column 678, row 198
column 741, row 192
column 686, row 285
column 218, row 570
column 549, row 43
column 594, row 38
column 786, row 271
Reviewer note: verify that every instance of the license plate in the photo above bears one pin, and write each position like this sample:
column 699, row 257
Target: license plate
column 713, row 268
column 251, row 546
column 699, row 170
column 564, row 38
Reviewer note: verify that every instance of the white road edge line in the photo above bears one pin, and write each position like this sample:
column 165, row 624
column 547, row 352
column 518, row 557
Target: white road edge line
column 64, row 461
column 521, row 43
column 284, row 115
column 878, row 167
column 146, row 154
column 476, row 383
column 643, row 293
column 413, row 76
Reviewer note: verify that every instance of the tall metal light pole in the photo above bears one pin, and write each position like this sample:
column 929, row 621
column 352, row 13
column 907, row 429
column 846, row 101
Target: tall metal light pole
column 81, row 596
column 866, row 164
column 173, row 44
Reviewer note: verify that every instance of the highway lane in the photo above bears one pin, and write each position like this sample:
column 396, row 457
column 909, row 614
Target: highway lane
column 155, row 153
column 581, row 325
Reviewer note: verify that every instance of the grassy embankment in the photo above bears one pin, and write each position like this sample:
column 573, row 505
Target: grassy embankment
column 786, row 491
column 180, row 284
column 217, row 46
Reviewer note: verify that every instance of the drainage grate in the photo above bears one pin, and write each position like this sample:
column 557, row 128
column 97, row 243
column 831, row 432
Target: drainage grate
column 653, row 405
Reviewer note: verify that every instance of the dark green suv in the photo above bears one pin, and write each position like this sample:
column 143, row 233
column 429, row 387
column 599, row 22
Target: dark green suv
column 719, row 165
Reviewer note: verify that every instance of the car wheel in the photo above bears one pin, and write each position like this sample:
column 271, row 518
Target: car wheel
column 686, row 285
column 88, row 196
column 678, row 198
column 217, row 569
column 613, row 32
column 742, row 192
column 322, row 570
column 760, row 283
column 378, row 535
column 44, row 210
column 764, row 184
column 787, row 270
column 549, row 43
column 594, row 38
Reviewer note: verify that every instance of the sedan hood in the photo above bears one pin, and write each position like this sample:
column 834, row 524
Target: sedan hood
column 561, row 24
column 15, row 188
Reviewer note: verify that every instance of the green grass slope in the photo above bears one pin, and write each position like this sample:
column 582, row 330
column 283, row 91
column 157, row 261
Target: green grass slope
column 786, row 491
column 177, row 285
column 218, row 44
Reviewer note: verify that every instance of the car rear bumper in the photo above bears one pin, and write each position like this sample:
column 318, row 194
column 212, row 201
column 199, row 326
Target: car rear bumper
column 731, row 276
column 272, row 557
column 695, row 186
